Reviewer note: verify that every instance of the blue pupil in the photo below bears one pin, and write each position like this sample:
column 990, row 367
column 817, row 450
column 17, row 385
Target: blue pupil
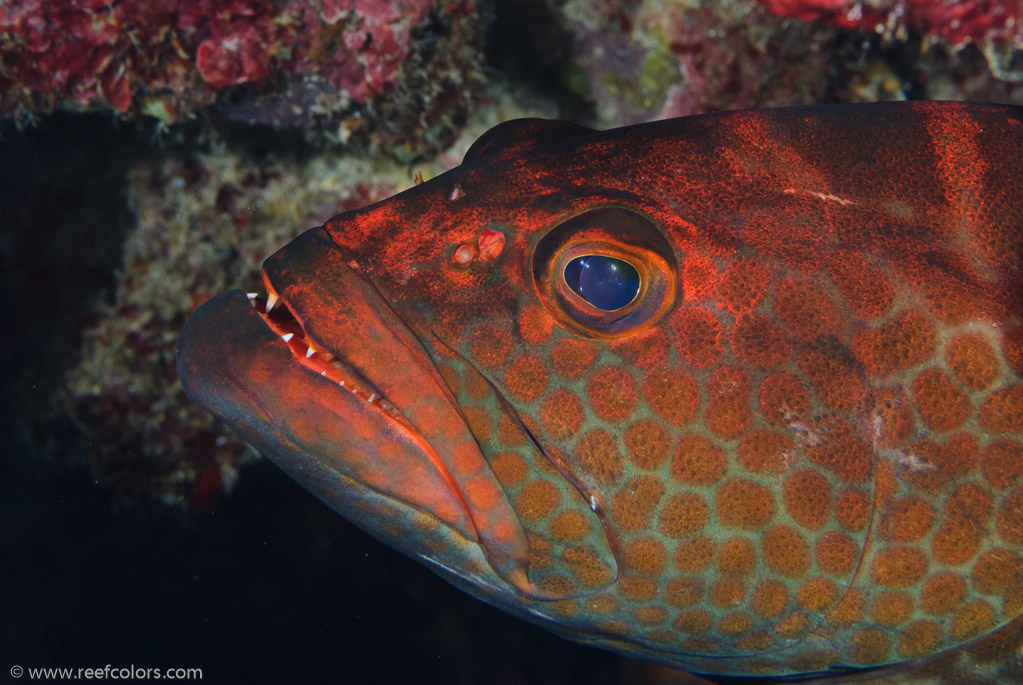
column 605, row 282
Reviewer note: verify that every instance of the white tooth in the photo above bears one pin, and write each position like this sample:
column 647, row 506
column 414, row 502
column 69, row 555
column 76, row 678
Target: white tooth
column 342, row 384
column 323, row 373
column 271, row 301
column 287, row 337
column 310, row 352
column 372, row 397
column 252, row 298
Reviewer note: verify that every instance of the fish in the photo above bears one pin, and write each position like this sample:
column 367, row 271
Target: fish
column 737, row 393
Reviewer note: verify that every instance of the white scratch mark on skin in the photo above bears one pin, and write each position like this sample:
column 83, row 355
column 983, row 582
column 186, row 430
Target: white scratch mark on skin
column 913, row 464
column 805, row 434
column 827, row 197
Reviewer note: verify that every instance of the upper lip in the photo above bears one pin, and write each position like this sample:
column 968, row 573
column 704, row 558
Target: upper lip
column 345, row 331
column 337, row 310
column 316, row 356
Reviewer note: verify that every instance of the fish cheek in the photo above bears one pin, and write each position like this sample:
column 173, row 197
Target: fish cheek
column 569, row 552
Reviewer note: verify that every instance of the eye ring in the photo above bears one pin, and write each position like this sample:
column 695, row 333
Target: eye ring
column 613, row 233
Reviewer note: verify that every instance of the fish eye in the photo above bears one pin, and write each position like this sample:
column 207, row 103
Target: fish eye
column 606, row 272
column 608, row 283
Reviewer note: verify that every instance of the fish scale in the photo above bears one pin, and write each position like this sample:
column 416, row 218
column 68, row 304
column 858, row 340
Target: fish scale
column 568, row 558
column 774, row 485
column 795, row 451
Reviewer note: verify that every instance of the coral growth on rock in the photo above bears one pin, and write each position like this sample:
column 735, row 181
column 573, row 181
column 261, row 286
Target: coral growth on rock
column 637, row 60
column 967, row 50
column 167, row 60
column 203, row 225
column 661, row 58
column 954, row 22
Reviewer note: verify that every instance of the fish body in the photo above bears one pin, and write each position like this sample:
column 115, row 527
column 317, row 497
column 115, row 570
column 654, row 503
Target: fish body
column 739, row 393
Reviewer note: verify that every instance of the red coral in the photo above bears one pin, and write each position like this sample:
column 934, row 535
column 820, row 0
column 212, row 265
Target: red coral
column 375, row 45
column 143, row 53
column 954, row 21
column 232, row 60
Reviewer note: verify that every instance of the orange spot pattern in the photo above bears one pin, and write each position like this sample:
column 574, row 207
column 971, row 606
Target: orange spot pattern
column 737, row 557
column 573, row 358
column 808, row 501
column 728, row 411
column 834, row 380
column 786, row 551
column 897, row 345
column 744, row 504
column 805, row 308
column 1002, row 411
column 647, row 444
column 807, row 529
column 1003, row 462
column 836, row 553
column 784, row 400
column 562, row 414
column 526, row 379
column 829, row 448
column 943, row 593
column 765, row 450
column 907, row 519
column 683, row 515
column 741, row 285
column 633, row 506
column 758, row 341
column 867, row 290
column 698, row 461
column 699, row 277
column 698, row 336
column 942, row 405
column 973, row 361
column 672, row 394
column 611, row 395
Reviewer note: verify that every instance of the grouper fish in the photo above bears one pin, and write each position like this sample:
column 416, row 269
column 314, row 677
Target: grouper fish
column 739, row 393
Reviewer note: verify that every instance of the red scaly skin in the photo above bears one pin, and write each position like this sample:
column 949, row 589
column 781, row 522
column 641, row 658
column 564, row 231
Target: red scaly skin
column 797, row 450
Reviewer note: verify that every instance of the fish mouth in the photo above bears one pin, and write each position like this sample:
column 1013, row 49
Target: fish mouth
column 317, row 358
column 323, row 377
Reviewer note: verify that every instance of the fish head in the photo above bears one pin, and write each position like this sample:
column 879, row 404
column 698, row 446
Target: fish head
column 695, row 390
column 397, row 363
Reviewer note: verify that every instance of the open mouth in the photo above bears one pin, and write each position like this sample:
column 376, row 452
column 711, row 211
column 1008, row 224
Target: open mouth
column 316, row 357
column 325, row 377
